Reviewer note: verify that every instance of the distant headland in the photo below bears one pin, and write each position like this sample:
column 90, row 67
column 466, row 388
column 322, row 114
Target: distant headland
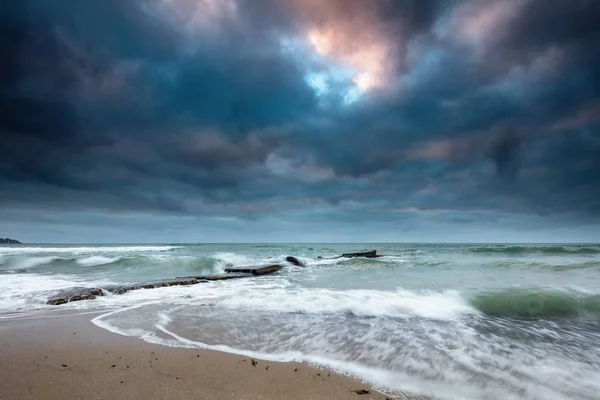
column 9, row 241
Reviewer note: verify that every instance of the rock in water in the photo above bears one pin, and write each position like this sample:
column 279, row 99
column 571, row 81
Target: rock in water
column 79, row 293
column 366, row 254
column 294, row 260
column 75, row 294
column 259, row 270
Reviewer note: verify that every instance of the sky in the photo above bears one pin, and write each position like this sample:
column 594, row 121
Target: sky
column 300, row 121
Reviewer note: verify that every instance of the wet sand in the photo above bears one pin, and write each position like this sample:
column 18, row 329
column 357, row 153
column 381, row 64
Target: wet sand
column 64, row 356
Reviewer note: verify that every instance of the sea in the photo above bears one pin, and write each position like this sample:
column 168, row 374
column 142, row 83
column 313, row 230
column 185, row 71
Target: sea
column 448, row 321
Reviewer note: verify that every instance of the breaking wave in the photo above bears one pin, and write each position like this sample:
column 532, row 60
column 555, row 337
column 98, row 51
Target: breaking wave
column 84, row 250
column 544, row 304
column 553, row 250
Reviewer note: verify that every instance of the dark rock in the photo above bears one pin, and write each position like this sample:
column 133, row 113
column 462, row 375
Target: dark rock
column 366, row 254
column 75, row 294
column 294, row 260
column 362, row 391
column 78, row 293
column 260, row 270
column 9, row 241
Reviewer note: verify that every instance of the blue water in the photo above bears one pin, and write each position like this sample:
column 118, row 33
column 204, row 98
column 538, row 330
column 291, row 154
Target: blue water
column 448, row 321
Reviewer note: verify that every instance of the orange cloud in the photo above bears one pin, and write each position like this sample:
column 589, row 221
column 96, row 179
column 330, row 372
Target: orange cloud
column 349, row 32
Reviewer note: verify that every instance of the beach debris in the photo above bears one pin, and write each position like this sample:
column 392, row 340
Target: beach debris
column 255, row 270
column 295, row 261
column 361, row 391
column 254, row 362
column 64, row 365
column 295, row 369
column 267, row 367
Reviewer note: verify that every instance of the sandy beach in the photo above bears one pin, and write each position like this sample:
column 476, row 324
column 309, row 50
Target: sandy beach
column 64, row 356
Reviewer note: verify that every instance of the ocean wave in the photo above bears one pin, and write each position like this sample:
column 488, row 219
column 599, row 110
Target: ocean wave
column 365, row 303
column 85, row 250
column 358, row 261
column 556, row 250
column 94, row 261
column 472, row 358
column 558, row 264
column 228, row 259
column 444, row 305
column 575, row 266
column 522, row 303
column 30, row 291
column 23, row 263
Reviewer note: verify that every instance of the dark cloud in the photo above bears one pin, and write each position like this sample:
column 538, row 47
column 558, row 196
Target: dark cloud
column 321, row 109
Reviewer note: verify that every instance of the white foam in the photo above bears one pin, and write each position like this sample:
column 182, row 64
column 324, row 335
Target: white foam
column 26, row 291
column 226, row 259
column 392, row 259
column 502, row 372
column 379, row 377
column 326, row 261
column 85, row 250
column 24, row 262
column 281, row 296
column 338, row 260
column 97, row 260
column 401, row 303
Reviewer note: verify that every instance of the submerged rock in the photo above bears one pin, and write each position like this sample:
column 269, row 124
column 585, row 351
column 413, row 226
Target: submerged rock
column 366, row 254
column 261, row 270
column 80, row 293
column 294, row 260
column 75, row 294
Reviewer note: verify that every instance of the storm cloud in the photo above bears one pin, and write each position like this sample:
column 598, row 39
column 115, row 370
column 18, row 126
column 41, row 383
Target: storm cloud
column 357, row 117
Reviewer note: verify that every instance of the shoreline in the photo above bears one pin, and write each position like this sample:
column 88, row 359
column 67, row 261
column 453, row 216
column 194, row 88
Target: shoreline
column 62, row 355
